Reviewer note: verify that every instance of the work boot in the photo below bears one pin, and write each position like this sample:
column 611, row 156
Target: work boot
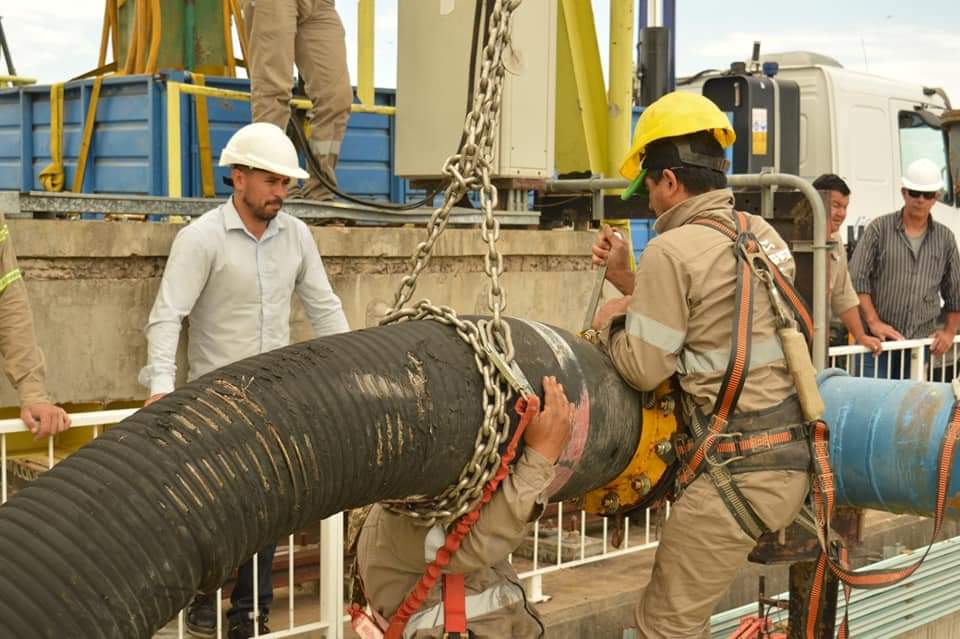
column 201, row 617
column 243, row 628
column 312, row 189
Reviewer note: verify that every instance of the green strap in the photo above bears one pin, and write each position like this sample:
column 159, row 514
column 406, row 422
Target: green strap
column 731, row 495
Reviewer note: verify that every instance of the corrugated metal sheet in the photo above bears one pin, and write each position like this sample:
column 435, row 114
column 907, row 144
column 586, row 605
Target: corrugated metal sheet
column 929, row 594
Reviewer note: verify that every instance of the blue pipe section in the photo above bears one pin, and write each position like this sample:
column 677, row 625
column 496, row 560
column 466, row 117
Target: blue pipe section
column 885, row 440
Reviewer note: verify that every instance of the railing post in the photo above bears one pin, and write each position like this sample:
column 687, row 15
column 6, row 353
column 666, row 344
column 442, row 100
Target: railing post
column 534, row 588
column 917, row 364
column 331, row 575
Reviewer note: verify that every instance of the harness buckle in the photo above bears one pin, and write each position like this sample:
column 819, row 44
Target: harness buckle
column 725, row 462
column 761, row 442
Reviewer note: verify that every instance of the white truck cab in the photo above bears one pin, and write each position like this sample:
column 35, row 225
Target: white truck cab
column 868, row 129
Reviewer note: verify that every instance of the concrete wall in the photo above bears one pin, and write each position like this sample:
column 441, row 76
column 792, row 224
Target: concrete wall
column 92, row 284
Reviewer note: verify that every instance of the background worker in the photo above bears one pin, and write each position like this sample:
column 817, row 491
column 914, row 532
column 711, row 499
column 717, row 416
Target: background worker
column 310, row 34
column 233, row 272
column 22, row 358
column 902, row 266
column 677, row 318
column 393, row 550
column 844, row 301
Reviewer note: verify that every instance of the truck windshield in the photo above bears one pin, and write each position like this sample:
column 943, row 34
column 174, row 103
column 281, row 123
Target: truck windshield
column 920, row 140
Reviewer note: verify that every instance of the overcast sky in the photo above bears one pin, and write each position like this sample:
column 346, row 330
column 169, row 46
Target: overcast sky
column 56, row 39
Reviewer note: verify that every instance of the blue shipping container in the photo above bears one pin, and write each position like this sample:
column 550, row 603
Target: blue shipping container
column 128, row 150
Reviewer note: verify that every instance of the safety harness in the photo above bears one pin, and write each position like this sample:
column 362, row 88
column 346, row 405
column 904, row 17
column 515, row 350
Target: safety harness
column 718, row 451
column 711, row 447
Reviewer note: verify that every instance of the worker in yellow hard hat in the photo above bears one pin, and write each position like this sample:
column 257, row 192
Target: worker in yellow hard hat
column 687, row 312
column 674, row 115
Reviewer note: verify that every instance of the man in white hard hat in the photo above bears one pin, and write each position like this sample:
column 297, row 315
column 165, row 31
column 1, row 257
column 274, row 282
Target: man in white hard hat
column 903, row 265
column 233, row 271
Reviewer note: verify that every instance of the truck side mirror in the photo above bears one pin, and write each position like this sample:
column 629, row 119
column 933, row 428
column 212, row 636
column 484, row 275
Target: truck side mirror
column 951, row 129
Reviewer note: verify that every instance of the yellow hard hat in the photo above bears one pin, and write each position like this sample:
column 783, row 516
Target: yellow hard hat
column 675, row 114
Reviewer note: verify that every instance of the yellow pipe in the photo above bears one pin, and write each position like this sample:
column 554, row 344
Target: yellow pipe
column 174, row 185
column 228, row 38
column 104, row 35
column 365, row 42
column 620, row 97
column 142, row 24
column 241, row 32
column 129, row 63
column 588, row 73
column 300, row 103
column 113, row 8
column 17, row 80
column 156, row 28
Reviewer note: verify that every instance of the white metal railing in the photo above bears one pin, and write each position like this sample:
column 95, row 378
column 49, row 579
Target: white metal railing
column 327, row 610
column 533, row 573
column 908, row 359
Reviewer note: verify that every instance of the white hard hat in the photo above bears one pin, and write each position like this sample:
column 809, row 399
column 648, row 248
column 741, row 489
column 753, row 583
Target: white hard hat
column 265, row 146
column 923, row 175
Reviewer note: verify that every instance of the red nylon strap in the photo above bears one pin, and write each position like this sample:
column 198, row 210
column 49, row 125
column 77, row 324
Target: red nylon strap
column 823, row 499
column 454, row 604
column 526, row 408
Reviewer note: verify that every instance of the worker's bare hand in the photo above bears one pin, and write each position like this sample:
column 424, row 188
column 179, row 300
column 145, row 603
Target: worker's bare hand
column 549, row 431
column 942, row 342
column 884, row 332
column 152, row 399
column 610, row 310
column 611, row 249
column 44, row 419
column 871, row 342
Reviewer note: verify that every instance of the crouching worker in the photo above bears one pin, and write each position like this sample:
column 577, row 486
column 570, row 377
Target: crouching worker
column 479, row 588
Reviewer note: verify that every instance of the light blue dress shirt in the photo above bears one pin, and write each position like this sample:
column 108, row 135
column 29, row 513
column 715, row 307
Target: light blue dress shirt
column 236, row 290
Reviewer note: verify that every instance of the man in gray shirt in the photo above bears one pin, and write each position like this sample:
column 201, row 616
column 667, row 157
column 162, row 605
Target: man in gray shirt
column 901, row 268
column 233, row 272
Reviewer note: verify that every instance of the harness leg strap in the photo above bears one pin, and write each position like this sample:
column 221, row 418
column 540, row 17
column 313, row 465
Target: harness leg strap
column 454, row 606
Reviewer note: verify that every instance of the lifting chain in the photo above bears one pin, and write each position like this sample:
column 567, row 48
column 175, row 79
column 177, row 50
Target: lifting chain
column 469, row 170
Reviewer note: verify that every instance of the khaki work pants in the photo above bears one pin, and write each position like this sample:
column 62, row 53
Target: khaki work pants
column 310, row 33
column 703, row 548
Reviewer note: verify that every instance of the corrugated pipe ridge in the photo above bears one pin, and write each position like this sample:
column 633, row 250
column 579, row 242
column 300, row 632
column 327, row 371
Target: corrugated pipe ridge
column 116, row 539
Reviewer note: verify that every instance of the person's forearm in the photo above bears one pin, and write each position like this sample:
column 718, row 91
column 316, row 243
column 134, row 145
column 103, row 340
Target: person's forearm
column 870, row 315
column 952, row 323
column 159, row 374
column 623, row 280
column 851, row 320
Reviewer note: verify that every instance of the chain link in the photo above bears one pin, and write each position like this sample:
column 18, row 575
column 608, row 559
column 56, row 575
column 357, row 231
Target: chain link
column 469, row 170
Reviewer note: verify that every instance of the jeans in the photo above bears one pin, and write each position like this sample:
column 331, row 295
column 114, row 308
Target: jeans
column 241, row 599
column 898, row 365
column 888, row 365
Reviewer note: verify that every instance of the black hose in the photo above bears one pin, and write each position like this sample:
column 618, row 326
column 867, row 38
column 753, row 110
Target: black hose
column 114, row 540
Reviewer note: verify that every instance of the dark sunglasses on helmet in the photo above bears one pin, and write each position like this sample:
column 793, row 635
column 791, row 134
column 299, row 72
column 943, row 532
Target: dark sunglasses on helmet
column 927, row 195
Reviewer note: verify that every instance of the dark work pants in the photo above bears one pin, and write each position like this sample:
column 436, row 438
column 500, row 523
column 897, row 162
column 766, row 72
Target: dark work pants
column 241, row 599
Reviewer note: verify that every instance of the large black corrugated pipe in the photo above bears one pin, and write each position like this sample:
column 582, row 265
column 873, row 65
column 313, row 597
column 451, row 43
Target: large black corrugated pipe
column 114, row 540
